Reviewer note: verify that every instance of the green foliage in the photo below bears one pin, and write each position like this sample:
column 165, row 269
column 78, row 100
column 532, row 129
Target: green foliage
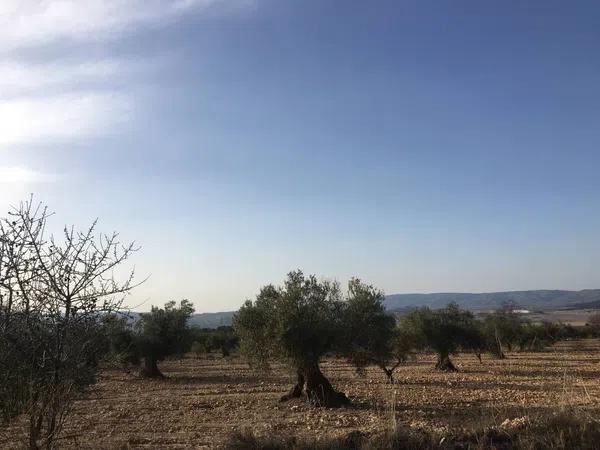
column 370, row 332
column 224, row 340
column 404, row 343
column 122, row 348
column 199, row 348
column 206, row 340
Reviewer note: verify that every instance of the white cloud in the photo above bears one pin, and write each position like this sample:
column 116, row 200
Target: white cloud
column 18, row 78
column 65, row 99
column 31, row 22
column 23, row 175
column 59, row 118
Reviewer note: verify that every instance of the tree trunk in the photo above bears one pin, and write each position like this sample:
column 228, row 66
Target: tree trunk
column 444, row 363
column 150, row 368
column 297, row 390
column 389, row 373
column 35, row 426
column 499, row 352
column 318, row 389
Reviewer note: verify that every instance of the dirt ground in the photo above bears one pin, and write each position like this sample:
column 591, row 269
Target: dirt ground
column 204, row 400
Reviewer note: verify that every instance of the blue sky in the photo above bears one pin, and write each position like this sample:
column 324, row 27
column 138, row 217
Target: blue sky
column 423, row 146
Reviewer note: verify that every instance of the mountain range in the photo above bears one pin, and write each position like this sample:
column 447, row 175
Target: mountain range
column 534, row 300
column 539, row 299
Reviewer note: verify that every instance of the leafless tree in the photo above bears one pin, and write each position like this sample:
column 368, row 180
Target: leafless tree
column 53, row 293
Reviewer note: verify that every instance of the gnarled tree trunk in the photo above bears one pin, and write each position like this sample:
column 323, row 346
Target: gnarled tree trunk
column 445, row 363
column 319, row 390
column 297, row 390
column 389, row 372
column 150, row 368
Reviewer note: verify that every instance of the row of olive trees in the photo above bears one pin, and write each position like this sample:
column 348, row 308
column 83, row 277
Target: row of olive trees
column 207, row 340
column 305, row 319
column 506, row 330
column 161, row 333
column 52, row 294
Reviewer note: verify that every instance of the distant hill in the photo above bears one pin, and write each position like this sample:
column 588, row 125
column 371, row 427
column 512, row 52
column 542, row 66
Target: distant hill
column 536, row 300
column 202, row 320
column 595, row 304
column 211, row 320
column 540, row 299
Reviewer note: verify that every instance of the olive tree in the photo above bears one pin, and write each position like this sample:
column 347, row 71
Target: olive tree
column 53, row 293
column 445, row 331
column 162, row 332
column 297, row 323
column 372, row 337
column 502, row 328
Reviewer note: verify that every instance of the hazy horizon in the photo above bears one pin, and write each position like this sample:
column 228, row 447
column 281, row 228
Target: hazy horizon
column 421, row 146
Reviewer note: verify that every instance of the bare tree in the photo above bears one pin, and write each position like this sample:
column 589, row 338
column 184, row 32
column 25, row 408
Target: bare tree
column 53, row 294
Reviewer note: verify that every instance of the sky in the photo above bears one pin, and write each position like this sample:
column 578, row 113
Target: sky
column 423, row 146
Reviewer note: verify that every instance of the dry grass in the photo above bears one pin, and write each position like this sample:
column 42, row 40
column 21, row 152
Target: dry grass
column 568, row 430
column 205, row 400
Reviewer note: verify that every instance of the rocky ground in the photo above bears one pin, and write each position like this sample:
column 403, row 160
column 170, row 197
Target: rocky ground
column 203, row 400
